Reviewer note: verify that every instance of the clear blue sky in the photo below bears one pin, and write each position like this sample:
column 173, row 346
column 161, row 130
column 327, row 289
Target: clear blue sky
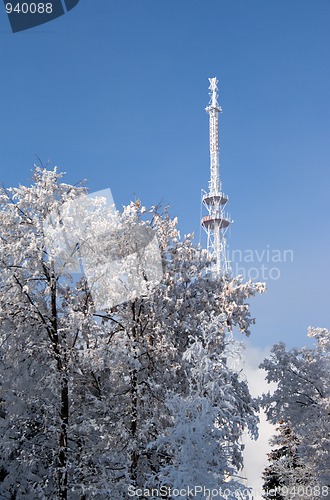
column 115, row 92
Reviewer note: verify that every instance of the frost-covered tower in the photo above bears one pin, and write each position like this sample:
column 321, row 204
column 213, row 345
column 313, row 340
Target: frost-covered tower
column 217, row 221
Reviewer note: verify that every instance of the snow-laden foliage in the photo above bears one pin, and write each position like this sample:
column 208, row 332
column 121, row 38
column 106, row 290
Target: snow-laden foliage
column 203, row 443
column 93, row 401
column 302, row 401
column 287, row 474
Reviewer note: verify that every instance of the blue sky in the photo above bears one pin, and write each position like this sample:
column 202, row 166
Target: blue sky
column 115, row 92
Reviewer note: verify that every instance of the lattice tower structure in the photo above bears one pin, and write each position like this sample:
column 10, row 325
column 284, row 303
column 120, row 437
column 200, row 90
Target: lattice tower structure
column 217, row 221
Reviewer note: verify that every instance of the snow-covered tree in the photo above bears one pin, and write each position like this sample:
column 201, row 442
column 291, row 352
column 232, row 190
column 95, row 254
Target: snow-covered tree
column 171, row 346
column 286, row 471
column 302, row 401
column 202, row 445
column 99, row 398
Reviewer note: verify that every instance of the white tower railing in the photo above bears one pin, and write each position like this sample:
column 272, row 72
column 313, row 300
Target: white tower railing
column 217, row 221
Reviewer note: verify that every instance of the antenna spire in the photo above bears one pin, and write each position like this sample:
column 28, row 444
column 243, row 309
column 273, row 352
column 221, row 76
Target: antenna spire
column 214, row 94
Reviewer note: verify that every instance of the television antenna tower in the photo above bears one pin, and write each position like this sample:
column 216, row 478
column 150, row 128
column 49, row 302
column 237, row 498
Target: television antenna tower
column 217, row 221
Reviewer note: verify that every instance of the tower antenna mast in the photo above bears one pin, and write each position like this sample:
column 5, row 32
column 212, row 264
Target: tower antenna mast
column 216, row 222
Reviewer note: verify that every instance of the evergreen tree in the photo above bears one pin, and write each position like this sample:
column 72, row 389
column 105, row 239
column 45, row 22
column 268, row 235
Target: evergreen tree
column 280, row 476
column 302, row 400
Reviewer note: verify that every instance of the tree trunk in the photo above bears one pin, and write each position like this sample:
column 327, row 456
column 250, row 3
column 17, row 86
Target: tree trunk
column 134, row 454
column 63, row 441
column 61, row 358
column 134, row 404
